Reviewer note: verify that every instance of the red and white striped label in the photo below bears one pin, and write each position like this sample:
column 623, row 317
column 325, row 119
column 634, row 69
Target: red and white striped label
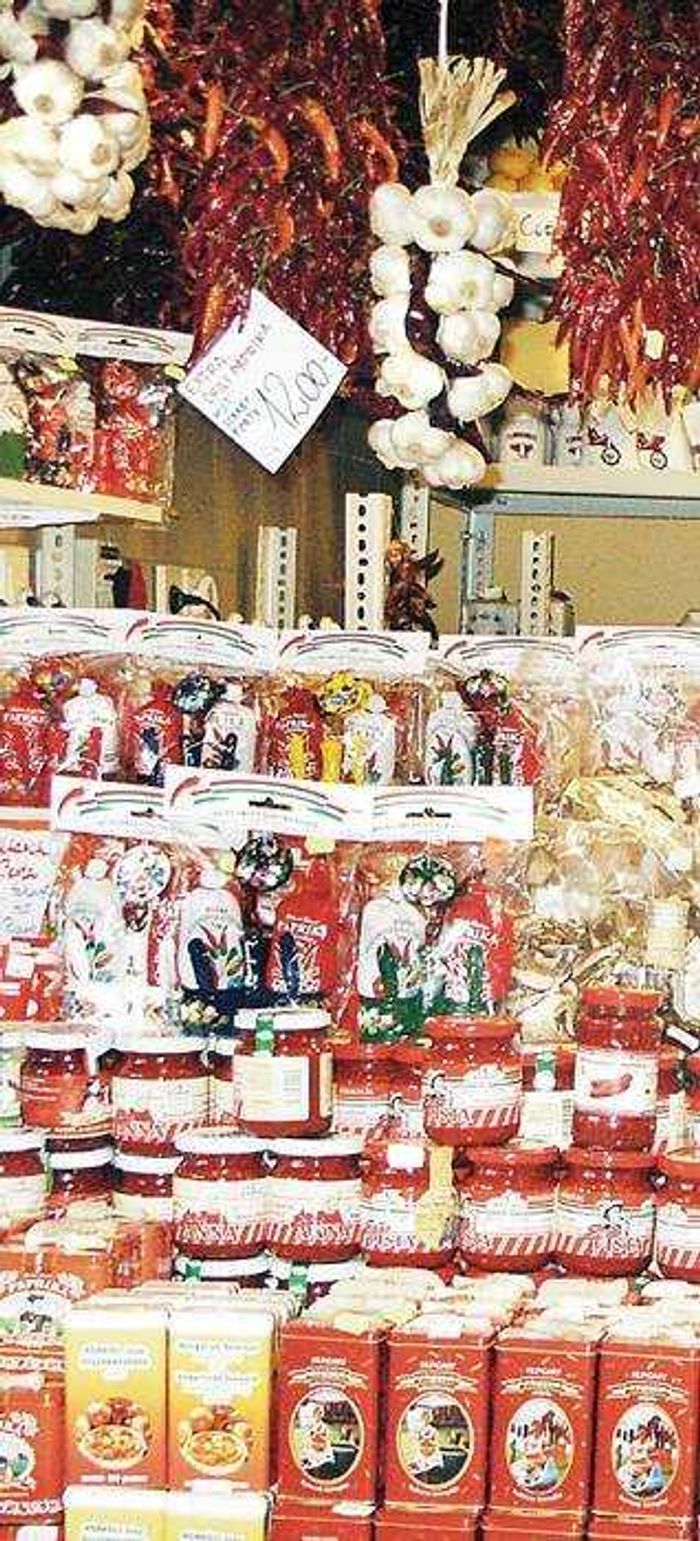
column 488, row 1098
column 217, row 1214
column 610, row 1231
column 678, row 1239
column 508, row 1225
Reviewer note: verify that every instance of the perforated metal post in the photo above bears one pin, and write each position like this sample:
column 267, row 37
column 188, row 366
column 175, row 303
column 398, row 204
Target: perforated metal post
column 276, row 576
column 414, row 518
column 536, row 580
column 367, row 535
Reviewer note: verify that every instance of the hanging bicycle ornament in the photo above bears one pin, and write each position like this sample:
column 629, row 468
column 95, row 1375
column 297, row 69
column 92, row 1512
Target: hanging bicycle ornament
column 434, row 324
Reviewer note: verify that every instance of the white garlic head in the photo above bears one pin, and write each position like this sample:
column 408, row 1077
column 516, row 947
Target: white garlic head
column 48, row 90
column 473, row 396
column 69, row 10
column 87, row 149
column 117, row 197
column 460, row 280
column 93, row 49
column 469, row 336
column 442, row 217
column 412, row 379
column 24, row 190
column 32, row 142
column 16, row 43
column 460, row 466
column 78, row 192
column 494, row 219
column 390, row 270
column 390, row 214
column 503, row 291
column 387, row 324
column 415, row 439
column 380, row 440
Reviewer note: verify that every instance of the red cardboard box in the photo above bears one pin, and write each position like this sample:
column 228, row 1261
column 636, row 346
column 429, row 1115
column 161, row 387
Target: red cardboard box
column 436, row 1421
column 517, row 1526
column 542, row 1434
column 328, row 1428
column 631, row 1528
column 647, row 1428
column 420, row 1524
column 293, row 1521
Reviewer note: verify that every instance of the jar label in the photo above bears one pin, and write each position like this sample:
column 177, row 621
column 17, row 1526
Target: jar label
column 609, row 1082
column 225, row 1101
column 139, row 1206
column 276, row 1089
column 21, row 1198
column 607, row 1230
column 488, row 1098
column 389, row 1224
column 507, row 1225
column 152, row 1111
column 321, row 1214
column 355, row 1114
column 546, row 1118
column 216, row 1213
column 671, row 1129
column 677, row 1237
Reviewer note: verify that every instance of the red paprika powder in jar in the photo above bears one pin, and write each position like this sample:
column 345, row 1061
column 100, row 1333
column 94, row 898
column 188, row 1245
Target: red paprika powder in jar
column 678, row 1215
column 615, row 1086
column 363, row 1077
column 143, row 1185
column 605, row 1212
column 473, row 1090
column 283, row 1073
column 79, row 1175
column 220, row 1195
column 23, row 1184
column 223, row 1092
column 407, row 1219
column 314, row 1199
column 508, row 1207
column 60, row 1083
column 160, row 1087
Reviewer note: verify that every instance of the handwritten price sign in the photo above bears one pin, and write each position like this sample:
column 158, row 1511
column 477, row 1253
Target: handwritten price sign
column 264, row 383
column 536, row 215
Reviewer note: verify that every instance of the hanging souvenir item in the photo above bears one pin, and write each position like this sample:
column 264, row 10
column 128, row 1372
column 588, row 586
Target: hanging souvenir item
column 451, row 736
column 646, row 684
column 434, row 324
column 230, row 733
column 151, row 736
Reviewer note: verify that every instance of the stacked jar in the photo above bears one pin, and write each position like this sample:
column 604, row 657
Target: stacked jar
column 62, row 1093
column 605, row 1212
column 160, row 1089
column 270, row 1178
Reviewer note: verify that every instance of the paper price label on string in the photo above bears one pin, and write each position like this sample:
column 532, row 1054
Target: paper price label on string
column 536, row 221
column 265, row 383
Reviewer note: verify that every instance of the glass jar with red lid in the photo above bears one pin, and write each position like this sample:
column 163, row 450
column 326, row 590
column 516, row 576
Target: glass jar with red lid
column 605, row 1212
column 617, row 1063
column 220, row 1195
column 671, row 1130
column 23, row 1184
column 508, row 1207
column 78, row 1175
column 143, row 1184
column 314, row 1199
column 473, row 1087
column 678, row 1215
column 61, row 1086
column 160, row 1087
column 376, row 1081
column 283, row 1072
column 223, row 1092
column 404, row 1221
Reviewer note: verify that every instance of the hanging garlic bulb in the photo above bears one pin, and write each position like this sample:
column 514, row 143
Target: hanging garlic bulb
column 380, row 440
column 79, row 192
column 461, row 280
column 387, row 324
column 493, row 219
column 93, row 49
column 390, row 210
column 48, row 90
column 412, row 379
column 470, row 397
column 460, row 466
column 27, row 191
column 87, row 149
column 414, row 438
column 69, row 10
column 390, row 270
column 469, row 336
column 33, row 143
column 15, row 42
column 116, row 199
column 442, row 218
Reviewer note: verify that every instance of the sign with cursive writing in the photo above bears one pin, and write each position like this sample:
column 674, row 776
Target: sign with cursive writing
column 264, row 383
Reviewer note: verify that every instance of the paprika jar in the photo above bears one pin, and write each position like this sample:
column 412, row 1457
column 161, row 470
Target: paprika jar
column 143, row 1185
column 283, row 1072
column 363, row 1086
column 247, row 1272
column 671, row 1111
column 12, row 1038
column 409, row 1210
column 160, row 1087
column 678, row 1215
column 605, row 1212
column 617, row 1063
column 508, row 1207
column 220, row 1195
column 23, row 1182
column 693, row 1098
column 60, row 1084
column 473, row 1094
column 314, row 1198
column 77, row 1175
column 223, row 1092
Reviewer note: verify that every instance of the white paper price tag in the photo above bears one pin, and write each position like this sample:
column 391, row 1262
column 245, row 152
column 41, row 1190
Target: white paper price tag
column 264, row 383
column 536, row 215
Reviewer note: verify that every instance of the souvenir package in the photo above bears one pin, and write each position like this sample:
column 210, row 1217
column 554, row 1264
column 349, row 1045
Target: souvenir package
column 508, row 712
column 177, row 713
column 58, row 714
column 349, row 708
column 116, row 906
column 434, row 915
column 29, row 960
column 646, row 686
column 262, row 924
column 88, row 406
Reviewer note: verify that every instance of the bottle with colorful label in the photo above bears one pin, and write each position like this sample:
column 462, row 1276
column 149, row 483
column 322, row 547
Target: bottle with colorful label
column 230, row 733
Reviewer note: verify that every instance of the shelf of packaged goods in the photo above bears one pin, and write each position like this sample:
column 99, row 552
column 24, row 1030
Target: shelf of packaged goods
column 24, row 505
column 588, row 491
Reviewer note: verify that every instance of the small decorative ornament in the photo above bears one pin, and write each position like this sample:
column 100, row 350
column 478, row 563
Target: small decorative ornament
column 441, row 221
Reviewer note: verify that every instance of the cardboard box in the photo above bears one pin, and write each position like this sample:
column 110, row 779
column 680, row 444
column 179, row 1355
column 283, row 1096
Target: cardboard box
column 220, row 1394
column 206, row 1516
column 395, row 1524
column 297, row 1521
column 31, row 1435
column 115, row 1395
column 436, row 1442
column 329, row 1412
column 647, row 1429
column 96, row 1514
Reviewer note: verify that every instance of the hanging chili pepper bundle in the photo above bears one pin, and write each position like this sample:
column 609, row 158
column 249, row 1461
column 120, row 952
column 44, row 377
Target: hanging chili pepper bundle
column 629, row 122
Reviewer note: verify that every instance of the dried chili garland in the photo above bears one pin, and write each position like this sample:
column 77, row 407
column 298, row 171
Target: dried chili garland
column 628, row 121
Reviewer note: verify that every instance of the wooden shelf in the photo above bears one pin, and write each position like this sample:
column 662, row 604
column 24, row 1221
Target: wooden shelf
column 24, row 505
